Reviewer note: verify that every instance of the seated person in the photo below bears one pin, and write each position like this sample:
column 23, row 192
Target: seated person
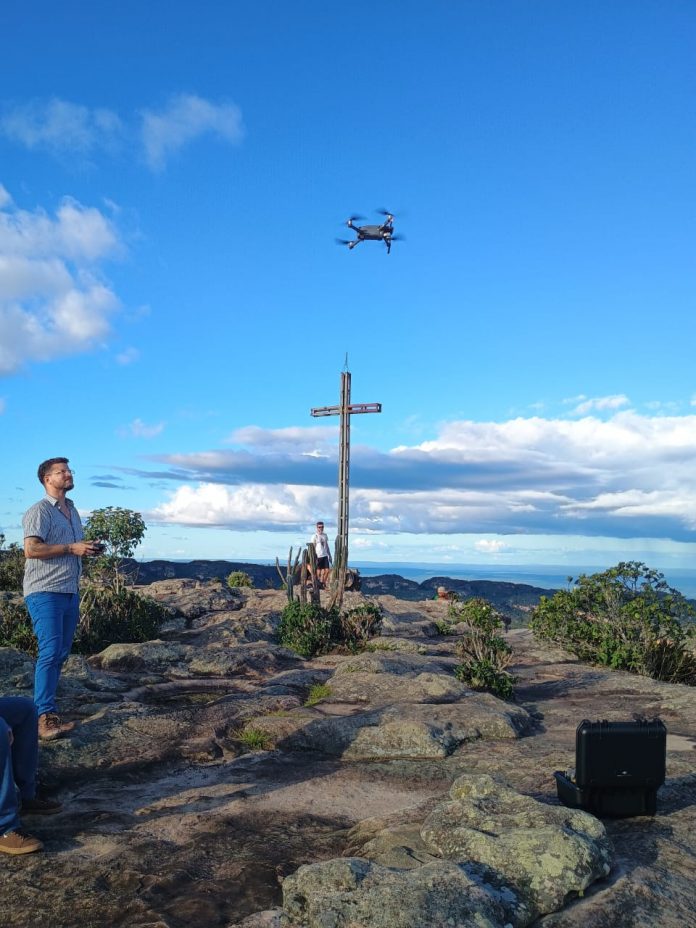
column 19, row 753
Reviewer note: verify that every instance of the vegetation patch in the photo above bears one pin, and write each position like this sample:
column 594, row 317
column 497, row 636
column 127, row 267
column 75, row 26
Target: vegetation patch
column 11, row 566
column 307, row 628
column 254, row 739
column 627, row 618
column 109, row 616
column 359, row 624
column 317, row 692
column 15, row 628
column 484, row 652
column 238, row 578
column 442, row 627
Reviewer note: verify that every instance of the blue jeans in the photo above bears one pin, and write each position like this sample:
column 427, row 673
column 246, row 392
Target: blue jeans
column 54, row 617
column 17, row 762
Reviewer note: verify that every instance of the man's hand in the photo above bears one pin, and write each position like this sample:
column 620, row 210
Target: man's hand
column 35, row 547
column 85, row 548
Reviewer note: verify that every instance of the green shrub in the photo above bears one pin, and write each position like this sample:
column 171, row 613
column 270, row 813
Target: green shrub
column 15, row 627
column 484, row 674
column 11, row 566
column 310, row 628
column 110, row 616
column 359, row 624
column 238, row 578
column 485, row 653
column 627, row 618
column 307, row 628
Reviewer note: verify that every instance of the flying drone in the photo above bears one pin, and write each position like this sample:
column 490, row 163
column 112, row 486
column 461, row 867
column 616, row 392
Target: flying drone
column 382, row 233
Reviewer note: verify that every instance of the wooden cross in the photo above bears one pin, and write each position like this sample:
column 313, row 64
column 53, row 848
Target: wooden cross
column 345, row 410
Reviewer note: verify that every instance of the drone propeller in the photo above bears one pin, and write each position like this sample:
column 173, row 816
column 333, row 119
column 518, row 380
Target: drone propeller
column 398, row 238
column 354, row 218
column 385, row 212
column 342, row 241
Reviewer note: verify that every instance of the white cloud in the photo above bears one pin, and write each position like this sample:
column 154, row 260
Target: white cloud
column 138, row 429
column 66, row 129
column 128, row 356
column 250, row 506
column 628, row 475
column 186, row 118
column 5, row 198
column 53, row 300
column 490, row 546
column 61, row 126
column 601, row 403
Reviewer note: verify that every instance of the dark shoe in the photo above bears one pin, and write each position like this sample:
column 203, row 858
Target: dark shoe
column 38, row 806
column 50, row 726
column 19, row 842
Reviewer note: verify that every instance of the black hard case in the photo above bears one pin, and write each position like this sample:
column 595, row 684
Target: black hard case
column 619, row 767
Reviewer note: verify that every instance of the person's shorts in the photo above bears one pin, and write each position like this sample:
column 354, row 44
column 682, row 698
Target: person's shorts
column 322, row 563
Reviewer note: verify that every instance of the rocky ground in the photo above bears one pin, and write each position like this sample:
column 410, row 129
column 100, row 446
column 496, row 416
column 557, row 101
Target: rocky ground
column 200, row 788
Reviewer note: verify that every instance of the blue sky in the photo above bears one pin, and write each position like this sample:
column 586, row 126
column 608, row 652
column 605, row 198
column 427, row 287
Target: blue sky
column 172, row 301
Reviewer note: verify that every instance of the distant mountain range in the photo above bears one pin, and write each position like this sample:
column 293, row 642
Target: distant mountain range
column 515, row 600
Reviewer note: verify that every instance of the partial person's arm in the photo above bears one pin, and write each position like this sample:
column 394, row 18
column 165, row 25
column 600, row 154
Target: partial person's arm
column 37, row 548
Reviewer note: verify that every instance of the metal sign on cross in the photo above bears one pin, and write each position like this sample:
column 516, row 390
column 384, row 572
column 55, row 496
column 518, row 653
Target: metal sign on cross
column 345, row 410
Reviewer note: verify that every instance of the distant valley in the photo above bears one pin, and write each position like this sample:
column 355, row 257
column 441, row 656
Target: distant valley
column 514, row 600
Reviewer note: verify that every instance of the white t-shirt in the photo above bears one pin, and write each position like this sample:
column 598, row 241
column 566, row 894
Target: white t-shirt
column 320, row 540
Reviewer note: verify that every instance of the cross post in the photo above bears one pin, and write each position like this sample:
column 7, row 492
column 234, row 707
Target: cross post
column 345, row 410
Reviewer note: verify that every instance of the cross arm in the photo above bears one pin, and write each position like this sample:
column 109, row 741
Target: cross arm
column 352, row 409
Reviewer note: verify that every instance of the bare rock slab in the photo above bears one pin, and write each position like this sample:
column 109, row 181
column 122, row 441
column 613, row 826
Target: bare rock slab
column 356, row 892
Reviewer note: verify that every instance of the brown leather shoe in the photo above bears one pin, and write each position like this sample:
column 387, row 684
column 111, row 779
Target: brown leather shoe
column 19, row 842
column 37, row 806
column 50, row 726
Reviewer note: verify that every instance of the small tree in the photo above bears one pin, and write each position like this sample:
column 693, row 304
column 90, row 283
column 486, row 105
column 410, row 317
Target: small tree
column 110, row 610
column 626, row 617
column 120, row 531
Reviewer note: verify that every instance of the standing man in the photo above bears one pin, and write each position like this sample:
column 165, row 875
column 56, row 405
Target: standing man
column 320, row 540
column 53, row 548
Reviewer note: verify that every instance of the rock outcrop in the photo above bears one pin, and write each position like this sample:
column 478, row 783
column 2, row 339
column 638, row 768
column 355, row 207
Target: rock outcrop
column 216, row 778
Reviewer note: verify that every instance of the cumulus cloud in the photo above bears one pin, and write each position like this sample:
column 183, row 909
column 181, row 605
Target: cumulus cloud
column 53, row 299
column 185, row 118
column 627, row 476
column 247, row 507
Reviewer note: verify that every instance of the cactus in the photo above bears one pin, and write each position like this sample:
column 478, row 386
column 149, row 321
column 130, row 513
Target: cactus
column 289, row 580
column 312, row 567
column 338, row 575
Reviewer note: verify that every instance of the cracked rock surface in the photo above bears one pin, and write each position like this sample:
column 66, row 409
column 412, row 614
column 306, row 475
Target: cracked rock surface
column 200, row 786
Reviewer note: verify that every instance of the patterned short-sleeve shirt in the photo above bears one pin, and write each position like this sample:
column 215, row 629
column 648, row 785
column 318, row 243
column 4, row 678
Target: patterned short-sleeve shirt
column 52, row 574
